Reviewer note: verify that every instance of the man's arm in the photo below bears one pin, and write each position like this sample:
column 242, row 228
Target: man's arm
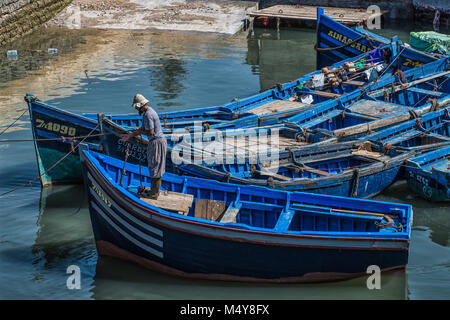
column 137, row 132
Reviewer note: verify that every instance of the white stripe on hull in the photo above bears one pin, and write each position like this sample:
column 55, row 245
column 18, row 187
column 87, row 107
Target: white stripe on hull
column 123, row 212
column 125, row 234
column 125, row 224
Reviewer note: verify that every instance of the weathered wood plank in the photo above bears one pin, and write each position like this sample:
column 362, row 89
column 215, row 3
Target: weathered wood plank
column 209, row 209
column 345, row 15
column 326, row 94
column 172, row 201
column 316, row 171
column 274, row 175
column 277, row 106
column 353, row 83
column 230, row 215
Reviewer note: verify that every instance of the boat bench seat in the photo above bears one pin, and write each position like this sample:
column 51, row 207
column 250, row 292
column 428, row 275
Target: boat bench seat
column 426, row 92
column 172, row 201
column 403, row 137
column 284, row 221
column 325, row 117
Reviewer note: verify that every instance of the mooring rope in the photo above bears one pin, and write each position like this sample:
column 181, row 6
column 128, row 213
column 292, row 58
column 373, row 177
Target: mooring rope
column 14, row 122
column 55, row 139
column 53, row 166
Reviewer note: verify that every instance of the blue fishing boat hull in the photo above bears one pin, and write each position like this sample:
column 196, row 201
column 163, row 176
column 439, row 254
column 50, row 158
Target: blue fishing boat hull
column 126, row 228
column 48, row 126
column 366, row 185
column 428, row 175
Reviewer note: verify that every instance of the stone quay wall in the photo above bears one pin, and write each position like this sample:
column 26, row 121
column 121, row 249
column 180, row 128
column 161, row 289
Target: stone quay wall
column 19, row 17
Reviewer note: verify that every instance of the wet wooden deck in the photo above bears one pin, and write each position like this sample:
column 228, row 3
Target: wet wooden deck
column 346, row 16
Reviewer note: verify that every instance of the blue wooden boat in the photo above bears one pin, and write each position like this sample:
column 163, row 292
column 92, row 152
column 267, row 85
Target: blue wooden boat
column 336, row 42
column 346, row 169
column 210, row 230
column 429, row 174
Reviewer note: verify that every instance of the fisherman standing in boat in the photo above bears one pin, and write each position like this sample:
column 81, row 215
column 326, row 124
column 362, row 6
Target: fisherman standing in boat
column 157, row 144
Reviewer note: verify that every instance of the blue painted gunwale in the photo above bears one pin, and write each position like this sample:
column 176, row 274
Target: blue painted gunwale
column 218, row 248
column 429, row 174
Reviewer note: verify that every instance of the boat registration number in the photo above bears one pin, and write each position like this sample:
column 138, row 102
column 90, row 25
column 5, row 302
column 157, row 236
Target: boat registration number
column 424, row 181
column 56, row 127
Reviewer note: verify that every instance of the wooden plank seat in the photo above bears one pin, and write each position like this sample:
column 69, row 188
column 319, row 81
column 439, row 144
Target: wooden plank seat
column 231, row 213
column 377, row 109
column 172, row 201
column 277, row 106
column 314, row 170
column 370, row 154
column 266, row 172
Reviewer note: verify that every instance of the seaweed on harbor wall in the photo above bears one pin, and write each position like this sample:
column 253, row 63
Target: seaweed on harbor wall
column 19, row 17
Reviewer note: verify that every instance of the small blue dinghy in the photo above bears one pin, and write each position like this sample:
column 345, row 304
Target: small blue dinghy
column 429, row 174
column 205, row 229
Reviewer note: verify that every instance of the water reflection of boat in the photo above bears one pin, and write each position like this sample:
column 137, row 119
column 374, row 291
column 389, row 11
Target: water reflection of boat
column 65, row 235
column 117, row 279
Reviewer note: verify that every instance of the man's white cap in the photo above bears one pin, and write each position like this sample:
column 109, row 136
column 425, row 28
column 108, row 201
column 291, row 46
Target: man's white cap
column 139, row 101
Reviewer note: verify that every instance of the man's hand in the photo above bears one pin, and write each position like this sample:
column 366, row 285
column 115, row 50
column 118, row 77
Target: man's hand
column 126, row 137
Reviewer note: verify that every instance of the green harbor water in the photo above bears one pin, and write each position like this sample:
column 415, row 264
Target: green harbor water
column 42, row 232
